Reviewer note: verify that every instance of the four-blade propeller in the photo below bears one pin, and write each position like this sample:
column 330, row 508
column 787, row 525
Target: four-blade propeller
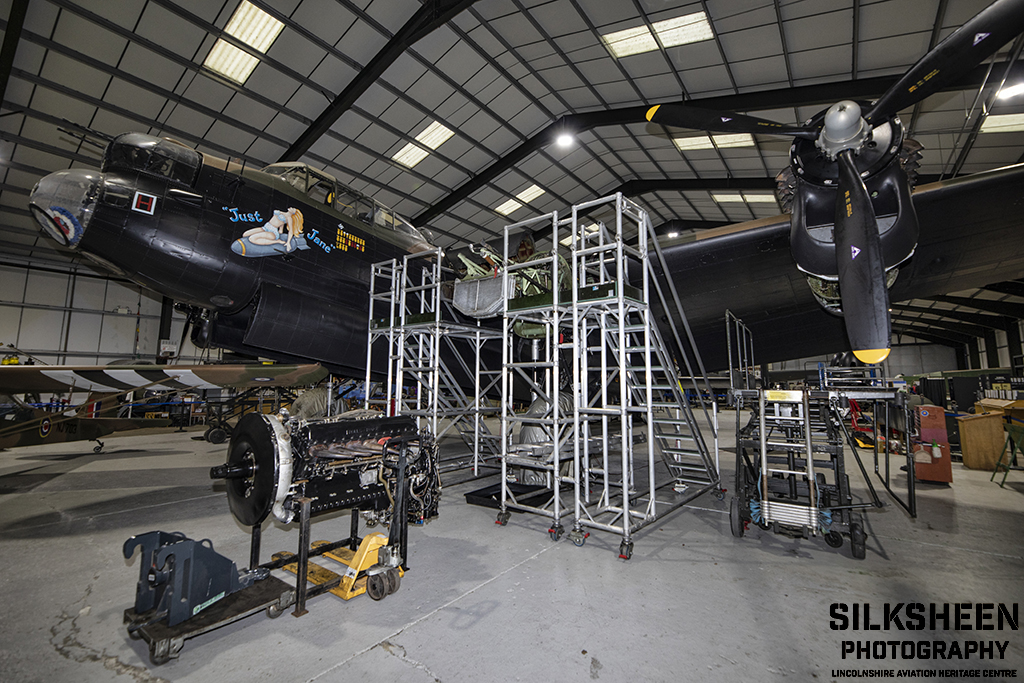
column 841, row 136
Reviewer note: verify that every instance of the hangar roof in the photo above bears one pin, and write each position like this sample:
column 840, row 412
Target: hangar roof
column 479, row 92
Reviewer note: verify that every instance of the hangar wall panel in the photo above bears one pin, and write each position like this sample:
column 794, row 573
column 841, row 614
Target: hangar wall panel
column 86, row 336
column 89, row 293
column 47, row 289
column 12, row 283
column 41, row 329
column 78, row 319
column 918, row 359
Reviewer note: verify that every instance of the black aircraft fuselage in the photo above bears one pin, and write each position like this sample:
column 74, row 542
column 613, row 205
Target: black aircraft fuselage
column 278, row 258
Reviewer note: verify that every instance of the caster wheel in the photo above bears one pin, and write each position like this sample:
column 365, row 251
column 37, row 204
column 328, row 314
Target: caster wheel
column 719, row 494
column 555, row 532
column 216, row 435
column 858, row 539
column 160, row 652
column 736, row 524
column 834, row 539
column 626, row 550
column 273, row 611
column 377, row 586
column 503, row 518
column 578, row 538
column 394, row 580
column 97, row 449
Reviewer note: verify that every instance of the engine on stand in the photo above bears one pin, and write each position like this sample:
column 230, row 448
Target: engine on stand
column 383, row 468
column 343, row 462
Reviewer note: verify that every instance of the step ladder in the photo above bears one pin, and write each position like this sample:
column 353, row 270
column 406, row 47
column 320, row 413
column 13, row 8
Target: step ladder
column 671, row 424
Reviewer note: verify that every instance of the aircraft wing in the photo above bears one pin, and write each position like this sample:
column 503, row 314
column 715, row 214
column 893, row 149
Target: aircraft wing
column 16, row 379
column 972, row 234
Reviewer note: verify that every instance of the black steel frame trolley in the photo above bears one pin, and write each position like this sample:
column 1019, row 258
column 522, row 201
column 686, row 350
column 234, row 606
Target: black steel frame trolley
column 791, row 470
column 186, row 589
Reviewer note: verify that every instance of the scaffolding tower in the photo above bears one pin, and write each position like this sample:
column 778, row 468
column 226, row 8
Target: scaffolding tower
column 622, row 435
column 436, row 365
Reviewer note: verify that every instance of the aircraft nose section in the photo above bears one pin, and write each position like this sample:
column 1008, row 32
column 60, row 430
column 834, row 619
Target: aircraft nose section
column 63, row 202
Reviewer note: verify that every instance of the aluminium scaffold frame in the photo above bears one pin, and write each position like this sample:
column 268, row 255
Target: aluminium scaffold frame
column 427, row 368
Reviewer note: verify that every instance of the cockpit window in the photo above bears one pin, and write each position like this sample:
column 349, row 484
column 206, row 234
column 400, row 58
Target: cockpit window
column 402, row 225
column 321, row 189
column 347, row 201
column 387, row 218
column 153, row 156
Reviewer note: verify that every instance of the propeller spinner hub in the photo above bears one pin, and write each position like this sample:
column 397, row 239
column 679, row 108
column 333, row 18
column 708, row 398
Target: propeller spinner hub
column 844, row 129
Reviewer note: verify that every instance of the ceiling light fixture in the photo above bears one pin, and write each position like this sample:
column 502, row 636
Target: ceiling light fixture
column 524, row 197
column 1003, row 123
column 721, row 141
column 737, row 198
column 433, row 136
column 690, row 28
column 564, row 140
column 410, row 155
column 508, row 207
column 632, row 41
column 759, row 198
column 529, row 194
column 252, row 26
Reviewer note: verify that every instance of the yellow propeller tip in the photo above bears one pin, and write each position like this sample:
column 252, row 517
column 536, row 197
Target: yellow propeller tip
column 871, row 356
column 651, row 111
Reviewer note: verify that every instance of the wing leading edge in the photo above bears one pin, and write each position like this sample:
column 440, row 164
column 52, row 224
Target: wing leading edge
column 971, row 236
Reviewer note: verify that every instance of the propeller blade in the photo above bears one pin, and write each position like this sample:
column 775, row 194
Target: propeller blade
column 951, row 59
column 685, row 116
column 865, row 298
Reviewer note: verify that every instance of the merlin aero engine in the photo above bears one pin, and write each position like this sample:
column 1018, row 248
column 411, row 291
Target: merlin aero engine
column 351, row 461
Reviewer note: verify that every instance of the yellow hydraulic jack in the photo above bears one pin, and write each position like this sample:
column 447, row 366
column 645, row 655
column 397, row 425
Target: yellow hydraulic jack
column 362, row 574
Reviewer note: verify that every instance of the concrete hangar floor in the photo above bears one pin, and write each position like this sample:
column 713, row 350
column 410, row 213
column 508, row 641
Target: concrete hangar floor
column 483, row 602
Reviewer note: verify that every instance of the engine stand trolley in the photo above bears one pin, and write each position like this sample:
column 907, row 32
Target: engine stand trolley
column 791, row 471
column 186, row 588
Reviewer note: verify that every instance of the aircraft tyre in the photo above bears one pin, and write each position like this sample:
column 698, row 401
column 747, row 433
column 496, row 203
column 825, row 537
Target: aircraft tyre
column 736, row 525
column 858, row 539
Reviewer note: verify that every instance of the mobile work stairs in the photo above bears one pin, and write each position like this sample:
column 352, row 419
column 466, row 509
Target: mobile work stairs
column 623, row 376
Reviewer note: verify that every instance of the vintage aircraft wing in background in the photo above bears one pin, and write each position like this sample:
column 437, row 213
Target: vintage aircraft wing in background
column 970, row 232
column 24, row 425
column 17, row 379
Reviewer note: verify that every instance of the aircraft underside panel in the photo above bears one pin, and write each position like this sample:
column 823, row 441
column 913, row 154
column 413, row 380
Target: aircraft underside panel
column 289, row 322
